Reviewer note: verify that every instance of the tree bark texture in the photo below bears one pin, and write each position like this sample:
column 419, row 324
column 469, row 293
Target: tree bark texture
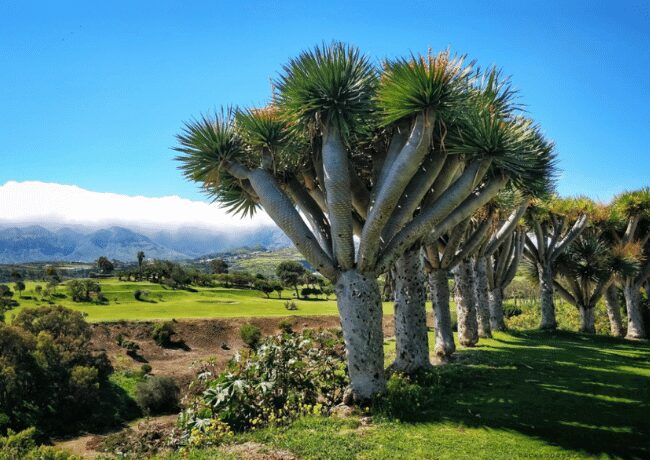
column 439, row 287
column 411, row 338
column 465, row 294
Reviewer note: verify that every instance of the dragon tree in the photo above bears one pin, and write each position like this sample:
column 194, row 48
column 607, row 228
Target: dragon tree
column 338, row 153
column 554, row 224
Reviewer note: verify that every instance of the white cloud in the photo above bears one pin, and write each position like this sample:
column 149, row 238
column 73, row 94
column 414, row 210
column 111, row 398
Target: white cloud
column 40, row 202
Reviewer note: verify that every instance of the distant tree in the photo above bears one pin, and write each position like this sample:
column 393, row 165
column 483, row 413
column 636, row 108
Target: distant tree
column 104, row 265
column 218, row 266
column 52, row 274
column 277, row 287
column 5, row 291
column 263, row 286
column 291, row 274
column 140, row 259
column 328, row 290
column 38, row 289
column 84, row 290
column 16, row 276
column 20, row 287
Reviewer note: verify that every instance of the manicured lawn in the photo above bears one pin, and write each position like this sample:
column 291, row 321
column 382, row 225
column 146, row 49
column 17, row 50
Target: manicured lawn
column 519, row 395
column 164, row 303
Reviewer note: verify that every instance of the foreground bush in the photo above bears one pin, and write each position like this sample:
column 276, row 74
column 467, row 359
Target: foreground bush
column 287, row 376
column 250, row 335
column 50, row 377
column 157, row 395
column 22, row 446
column 162, row 333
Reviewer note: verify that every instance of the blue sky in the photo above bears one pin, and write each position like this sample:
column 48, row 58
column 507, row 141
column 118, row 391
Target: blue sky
column 92, row 94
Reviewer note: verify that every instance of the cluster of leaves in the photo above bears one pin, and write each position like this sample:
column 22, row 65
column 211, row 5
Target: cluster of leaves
column 287, row 376
column 23, row 446
column 49, row 376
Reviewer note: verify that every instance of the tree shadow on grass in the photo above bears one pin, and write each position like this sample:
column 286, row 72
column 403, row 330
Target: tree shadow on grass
column 584, row 393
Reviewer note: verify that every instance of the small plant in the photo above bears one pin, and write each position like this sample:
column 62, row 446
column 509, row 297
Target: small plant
column 290, row 305
column 286, row 326
column 130, row 346
column 146, row 369
column 162, row 333
column 250, row 335
column 157, row 395
column 289, row 375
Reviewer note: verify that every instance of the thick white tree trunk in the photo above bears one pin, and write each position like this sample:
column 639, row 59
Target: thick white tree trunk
column 482, row 298
column 465, row 294
column 359, row 303
column 439, row 287
column 546, row 294
column 635, row 328
column 497, row 322
column 614, row 312
column 587, row 320
column 411, row 338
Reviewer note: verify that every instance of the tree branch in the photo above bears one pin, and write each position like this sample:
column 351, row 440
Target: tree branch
column 506, row 229
column 575, row 231
column 281, row 209
column 338, row 196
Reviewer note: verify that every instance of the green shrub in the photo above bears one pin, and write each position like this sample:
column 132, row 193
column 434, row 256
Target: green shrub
column 22, row 446
column 50, row 377
column 405, row 398
column 146, row 369
column 162, row 333
column 287, row 376
column 286, row 326
column 250, row 335
column 157, row 395
column 290, row 305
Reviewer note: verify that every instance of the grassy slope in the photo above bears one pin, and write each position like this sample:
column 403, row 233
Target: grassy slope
column 519, row 395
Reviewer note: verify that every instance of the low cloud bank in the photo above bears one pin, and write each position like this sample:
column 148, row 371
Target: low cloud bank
column 51, row 203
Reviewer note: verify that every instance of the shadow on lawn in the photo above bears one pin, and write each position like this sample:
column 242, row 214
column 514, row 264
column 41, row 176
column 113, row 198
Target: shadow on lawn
column 585, row 393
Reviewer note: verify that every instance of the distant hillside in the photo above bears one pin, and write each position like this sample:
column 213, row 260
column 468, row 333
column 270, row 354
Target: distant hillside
column 35, row 243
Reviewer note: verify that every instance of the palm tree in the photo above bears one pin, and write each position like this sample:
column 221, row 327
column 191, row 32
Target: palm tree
column 555, row 223
column 340, row 144
column 140, row 256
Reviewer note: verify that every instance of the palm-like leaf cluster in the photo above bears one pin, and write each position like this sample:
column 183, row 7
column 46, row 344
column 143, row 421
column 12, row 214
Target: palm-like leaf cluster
column 204, row 144
column 331, row 85
column 435, row 84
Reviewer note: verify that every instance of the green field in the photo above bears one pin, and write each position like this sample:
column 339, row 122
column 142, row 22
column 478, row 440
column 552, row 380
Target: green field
column 531, row 395
column 166, row 303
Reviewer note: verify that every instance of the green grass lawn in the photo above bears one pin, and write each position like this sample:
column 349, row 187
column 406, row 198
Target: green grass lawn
column 520, row 395
column 165, row 303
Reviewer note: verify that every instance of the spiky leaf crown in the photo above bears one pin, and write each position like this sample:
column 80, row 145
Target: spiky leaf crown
column 332, row 85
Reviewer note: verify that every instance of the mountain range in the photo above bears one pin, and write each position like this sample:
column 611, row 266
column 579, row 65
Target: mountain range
column 78, row 243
